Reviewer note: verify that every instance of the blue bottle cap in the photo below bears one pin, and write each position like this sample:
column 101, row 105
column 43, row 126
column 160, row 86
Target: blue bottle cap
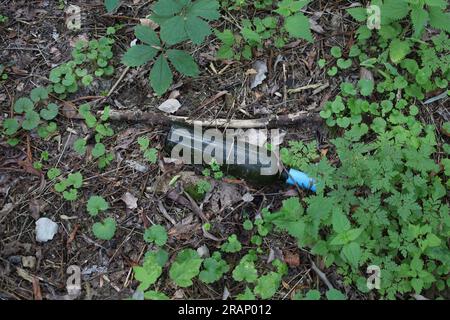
column 301, row 179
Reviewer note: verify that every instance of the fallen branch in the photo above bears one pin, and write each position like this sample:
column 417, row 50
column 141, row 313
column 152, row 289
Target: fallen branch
column 321, row 275
column 294, row 119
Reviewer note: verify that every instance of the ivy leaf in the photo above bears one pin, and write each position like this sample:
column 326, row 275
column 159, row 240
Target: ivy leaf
column 11, row 126
column 38, row 94
column 398, row 50
column 96, row 204
column 334, row 294
column 232, row 245
column 75, row 180
column 80, row 146
column 139, row 55
column 366, row 87
column 298, row 27
column 53, row 173
column 156, row 234
column 147, row 35
column 183, row 62
column 214, row 268
column 247, row 295
column 185, row 267
column 98, row 150
column 161, row 76
column 151, row 155
column 50, row 113
column 111, row 5
column 155, row 295
column 23, row 105
column 105, row 230
column 70, row 195
column 31, row 120
column 267, row 286
column 245, row 271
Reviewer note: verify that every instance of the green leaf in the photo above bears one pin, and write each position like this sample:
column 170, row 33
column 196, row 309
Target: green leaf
column 183, row 62
column 155, row 295
column 146, row 275
column 439, row 19
column 23, row 105
column 419, row 19
column 156, row 234
column 417, row 285
column 98, row 150
column 53, row 173
column 298, row 27
column 50, row 113
column 143, row 142
column 267, row 286
column 161, row 76
column 38, row 94
column 251, row 36
column 138, row 55
column 352, row 253
column 245, row 271
column 147, row 35
column 207, row 9
column 366, row 87
column 80, row 146
column 111, row 5
column 10, row 126
column 247, row 295
column 398, row 50
column 232, row 245
column 340, row 222
column 185, row 267
column 70, row 195
column 173, row 30
column 105, row 230
column 344, row 64
column 151, row 155
column 214, row 268
column 31, row 120
column 167, row 7
column 336, row 52
column 358, row 13
column 96, row 204
column 197, row 29
column 334, row 294
column 75, row 180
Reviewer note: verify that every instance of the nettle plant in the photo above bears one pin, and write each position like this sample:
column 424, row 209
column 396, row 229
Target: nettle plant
column 180, row 21
column 288, row 23
column 102, row 130
column 33, row 113
column 90, row 59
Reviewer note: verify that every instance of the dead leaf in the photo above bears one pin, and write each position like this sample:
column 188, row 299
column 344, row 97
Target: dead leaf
column 261, row 69
column 292, row 259
column 365, row 74
column 130, row 200
column 170, row 106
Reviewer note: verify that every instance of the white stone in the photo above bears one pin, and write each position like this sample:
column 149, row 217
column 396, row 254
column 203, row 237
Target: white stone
column 45, row 229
